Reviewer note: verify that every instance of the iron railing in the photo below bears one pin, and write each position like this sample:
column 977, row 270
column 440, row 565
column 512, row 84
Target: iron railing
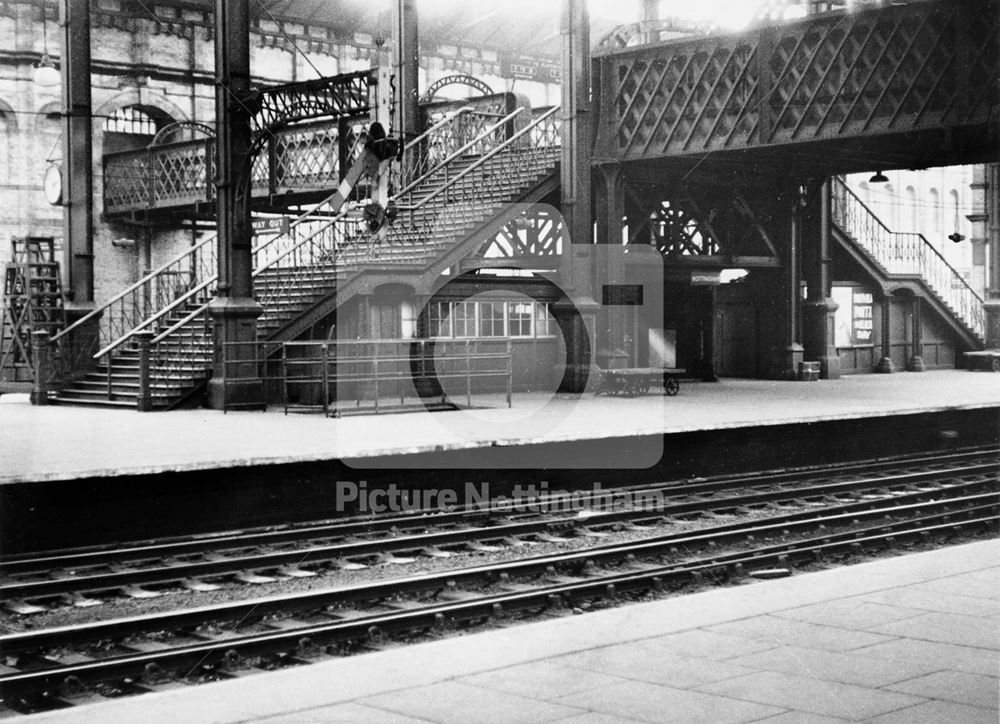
column 298, row 259
column 372, row 375
column 533, row 147
column 910, row 254
column 321, row 244
column 313, row 257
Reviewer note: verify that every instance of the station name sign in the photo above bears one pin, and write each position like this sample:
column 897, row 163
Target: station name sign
column 706, row 278
column 531, row 69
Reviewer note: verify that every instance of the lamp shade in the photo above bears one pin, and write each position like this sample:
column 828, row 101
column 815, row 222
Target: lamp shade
column 46, row 73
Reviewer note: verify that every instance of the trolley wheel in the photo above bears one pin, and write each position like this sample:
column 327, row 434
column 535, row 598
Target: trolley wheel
column 995, row 364
column 642, row 386
column 672, row 387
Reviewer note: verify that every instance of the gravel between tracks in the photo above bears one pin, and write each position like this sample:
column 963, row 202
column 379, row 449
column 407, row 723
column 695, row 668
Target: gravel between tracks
column 175, row 597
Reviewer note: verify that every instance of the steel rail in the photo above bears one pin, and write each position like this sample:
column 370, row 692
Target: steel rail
column 467, row 533
column 243, row 610
column 491, row 604
column 15, row 565
column 169, row 572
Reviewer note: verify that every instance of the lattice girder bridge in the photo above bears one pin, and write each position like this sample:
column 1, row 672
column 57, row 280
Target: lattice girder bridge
column 901, row 86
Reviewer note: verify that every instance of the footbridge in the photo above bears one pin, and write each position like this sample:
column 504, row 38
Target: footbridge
column 907, row 85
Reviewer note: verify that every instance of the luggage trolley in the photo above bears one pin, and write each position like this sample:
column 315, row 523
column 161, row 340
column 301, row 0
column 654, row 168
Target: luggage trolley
column 632, row 381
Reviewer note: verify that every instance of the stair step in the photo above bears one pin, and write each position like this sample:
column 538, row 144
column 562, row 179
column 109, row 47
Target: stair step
column 61, row 399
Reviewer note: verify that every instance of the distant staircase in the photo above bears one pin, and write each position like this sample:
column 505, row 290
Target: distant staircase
column 909, row 257
column 300, row 276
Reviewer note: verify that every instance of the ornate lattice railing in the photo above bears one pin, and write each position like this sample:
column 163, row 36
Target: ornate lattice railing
column 305, row 156
column 891, row 69
column 325, row 252
column 908, row 254
column 523, row 154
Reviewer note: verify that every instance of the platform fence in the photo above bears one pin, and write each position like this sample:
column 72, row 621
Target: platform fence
column 372, row 376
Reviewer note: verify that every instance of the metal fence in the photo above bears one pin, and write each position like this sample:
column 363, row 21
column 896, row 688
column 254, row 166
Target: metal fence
column 372, row 376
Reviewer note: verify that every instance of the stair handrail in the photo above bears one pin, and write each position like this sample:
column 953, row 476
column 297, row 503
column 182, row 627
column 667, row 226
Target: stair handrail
column 411, row 144
column 843, row 185
column 340, row 216
column 509, row 117
column 448, row 118
column 134, row 287
column 963, row 300
column 482, row 159
column 181, row 299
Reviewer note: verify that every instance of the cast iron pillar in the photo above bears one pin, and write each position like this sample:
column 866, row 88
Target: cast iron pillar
column 406, row 61
column 818, row 331
column 614, row 319
column 916, row 361
column 236, row 379
column 886, row 365
column 793, row 352
column 78, row 171
column 576, row 313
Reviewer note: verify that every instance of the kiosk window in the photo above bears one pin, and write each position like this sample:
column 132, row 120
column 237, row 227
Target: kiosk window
column 854, row 317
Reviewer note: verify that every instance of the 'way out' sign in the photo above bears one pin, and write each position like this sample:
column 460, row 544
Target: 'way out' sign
column 270, row 225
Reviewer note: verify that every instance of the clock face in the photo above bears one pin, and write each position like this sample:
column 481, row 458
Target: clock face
column 52, row 184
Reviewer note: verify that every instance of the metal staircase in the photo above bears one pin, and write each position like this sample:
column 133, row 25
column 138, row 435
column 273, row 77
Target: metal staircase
column 909, row 257
column 453, row 188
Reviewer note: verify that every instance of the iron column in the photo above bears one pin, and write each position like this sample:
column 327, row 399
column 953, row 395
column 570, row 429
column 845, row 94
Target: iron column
column 406, row 61
column 576, row 313
column 78, row 172
column 234, row 311
column 818, row 334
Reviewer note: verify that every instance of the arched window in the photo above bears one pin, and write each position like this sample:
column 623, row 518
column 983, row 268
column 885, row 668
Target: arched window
column 132, row 127
column 130, row 120
column 889, row 203
column 935, row 213
column 956, row 218
column 48, row 140
column 913, row 221
column 8, row 134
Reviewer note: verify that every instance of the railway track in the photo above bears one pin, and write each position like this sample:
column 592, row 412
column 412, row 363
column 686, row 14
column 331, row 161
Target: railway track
column 31, row 584
column 53, row 667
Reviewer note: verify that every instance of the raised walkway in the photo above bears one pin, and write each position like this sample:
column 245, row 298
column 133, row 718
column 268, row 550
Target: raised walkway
column 58, row 443
column 907, row 640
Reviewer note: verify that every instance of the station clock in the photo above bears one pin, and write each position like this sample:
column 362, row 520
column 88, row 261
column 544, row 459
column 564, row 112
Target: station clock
column 52, row 184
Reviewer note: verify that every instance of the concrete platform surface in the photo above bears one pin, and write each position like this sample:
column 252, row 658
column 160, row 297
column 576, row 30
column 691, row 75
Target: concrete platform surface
column 907, row 640
column 56, row 443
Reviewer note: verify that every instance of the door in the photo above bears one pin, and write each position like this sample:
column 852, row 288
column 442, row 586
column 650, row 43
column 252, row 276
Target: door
column 736, row 340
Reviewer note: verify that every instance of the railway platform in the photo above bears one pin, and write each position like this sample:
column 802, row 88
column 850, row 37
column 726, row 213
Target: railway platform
column 72, row 476
column 911, row 639
column 64, row 443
